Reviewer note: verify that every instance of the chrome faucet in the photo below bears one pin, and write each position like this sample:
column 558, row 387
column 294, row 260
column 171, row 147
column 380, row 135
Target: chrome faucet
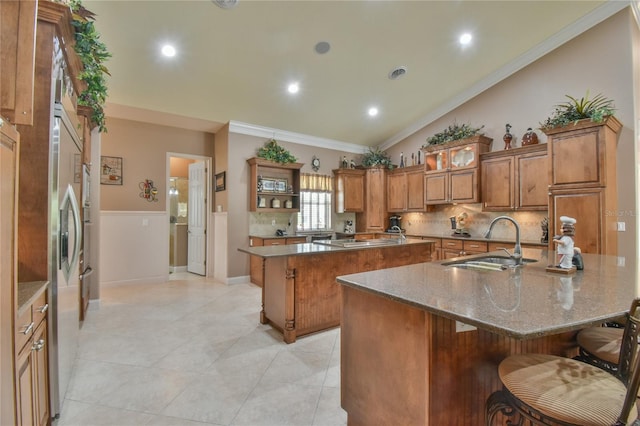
column 396, row 227
column 517, row 251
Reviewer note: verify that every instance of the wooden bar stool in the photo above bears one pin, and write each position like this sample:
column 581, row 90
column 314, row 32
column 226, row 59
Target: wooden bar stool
column 552, row 390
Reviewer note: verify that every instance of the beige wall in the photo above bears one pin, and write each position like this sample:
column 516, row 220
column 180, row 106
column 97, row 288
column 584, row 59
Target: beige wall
column 179, row 167
column 601, row 61
column 143, row 148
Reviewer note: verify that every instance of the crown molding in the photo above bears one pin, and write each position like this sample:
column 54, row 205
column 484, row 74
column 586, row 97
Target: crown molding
column 585, row 23
column 293, row 137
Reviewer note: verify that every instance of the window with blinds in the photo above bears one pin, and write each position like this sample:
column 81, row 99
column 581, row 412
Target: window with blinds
column 315, row 202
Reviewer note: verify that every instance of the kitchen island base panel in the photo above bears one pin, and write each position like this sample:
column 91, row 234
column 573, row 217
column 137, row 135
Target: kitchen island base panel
column 403, row 365
column 300, row 295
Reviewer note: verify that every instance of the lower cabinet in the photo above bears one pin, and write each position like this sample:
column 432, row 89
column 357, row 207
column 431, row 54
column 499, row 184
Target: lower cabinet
column 455, row 248
column 32, row 375
column 256, row 264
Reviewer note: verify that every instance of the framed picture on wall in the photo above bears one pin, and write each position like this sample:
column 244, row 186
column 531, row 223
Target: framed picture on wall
column 220, row 181
column 110, row 170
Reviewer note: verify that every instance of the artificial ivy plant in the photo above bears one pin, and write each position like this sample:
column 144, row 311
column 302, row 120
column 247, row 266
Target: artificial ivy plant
column 453, row 133
column 376, row 157
column 92, row 53
column 274, row 152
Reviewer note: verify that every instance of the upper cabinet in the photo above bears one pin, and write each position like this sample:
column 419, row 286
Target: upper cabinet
column 405, row 189
column 583, row 183
column 374, row 216
column 349, row 190
column 451, row 171
column 274, row 187
column 515, row 179
column 17, row 56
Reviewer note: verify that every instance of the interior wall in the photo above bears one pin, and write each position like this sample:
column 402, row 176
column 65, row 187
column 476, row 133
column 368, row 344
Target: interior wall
column 143, row 148
column 599, row 61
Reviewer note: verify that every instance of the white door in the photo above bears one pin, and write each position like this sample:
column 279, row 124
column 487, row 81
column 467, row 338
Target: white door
column 196, row 219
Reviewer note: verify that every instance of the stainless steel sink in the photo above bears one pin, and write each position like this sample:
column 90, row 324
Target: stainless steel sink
column 488, row 263
column 353, row 242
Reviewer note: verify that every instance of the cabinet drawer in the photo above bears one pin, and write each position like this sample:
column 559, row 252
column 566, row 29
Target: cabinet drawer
column 475, row 246
column 40, row 308
column 275, row 241
column 500, row 246
column 451, row 244
column 24, row 328
column 296, row 240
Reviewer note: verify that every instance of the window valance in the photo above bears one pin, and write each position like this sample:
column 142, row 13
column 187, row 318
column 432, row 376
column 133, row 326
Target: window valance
column 316, row 182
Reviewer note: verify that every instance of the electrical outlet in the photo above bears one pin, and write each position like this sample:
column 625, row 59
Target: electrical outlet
column 462, row 327
column 620, row 261
column 621, row 226
column 273, row 222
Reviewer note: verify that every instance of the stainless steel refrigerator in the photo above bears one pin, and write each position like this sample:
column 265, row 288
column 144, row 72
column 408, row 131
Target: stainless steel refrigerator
column 65, row 220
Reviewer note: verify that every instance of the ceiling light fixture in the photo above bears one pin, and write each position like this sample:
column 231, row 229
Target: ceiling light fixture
column 169, row 51
column 373, row 111
column 225, row 4
column 397, row 73
column 465, row 39
column 293, row 88
column 322, row 47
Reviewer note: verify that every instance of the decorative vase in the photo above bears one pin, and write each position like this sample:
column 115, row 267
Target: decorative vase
column 529, row 138
column 508, row 137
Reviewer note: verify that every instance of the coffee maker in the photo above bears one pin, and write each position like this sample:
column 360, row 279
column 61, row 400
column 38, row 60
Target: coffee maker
column 394, row 221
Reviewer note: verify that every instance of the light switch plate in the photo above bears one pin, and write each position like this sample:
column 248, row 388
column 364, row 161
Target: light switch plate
column 621, row 226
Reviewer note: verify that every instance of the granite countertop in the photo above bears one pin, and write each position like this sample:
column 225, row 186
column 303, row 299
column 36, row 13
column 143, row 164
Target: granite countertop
column 448, row 236
column 28, row 292
column 523, row 303
column 312, row 248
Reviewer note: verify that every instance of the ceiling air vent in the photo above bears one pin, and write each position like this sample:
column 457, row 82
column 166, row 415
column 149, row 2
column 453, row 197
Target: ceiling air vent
column 226, row 4
column 397, row 73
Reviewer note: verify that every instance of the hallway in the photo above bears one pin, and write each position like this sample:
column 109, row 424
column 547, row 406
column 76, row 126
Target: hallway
column 192, row 351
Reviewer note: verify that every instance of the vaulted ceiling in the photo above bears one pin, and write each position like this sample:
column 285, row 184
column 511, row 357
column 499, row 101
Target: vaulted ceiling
column 236, row 63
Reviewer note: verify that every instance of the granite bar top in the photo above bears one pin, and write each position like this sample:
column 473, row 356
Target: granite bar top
column 28, row 292
column 312, row 248
column 523, row 303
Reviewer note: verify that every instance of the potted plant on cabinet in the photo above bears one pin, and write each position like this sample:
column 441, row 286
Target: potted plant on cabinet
column 376, row 157
column 575, row 110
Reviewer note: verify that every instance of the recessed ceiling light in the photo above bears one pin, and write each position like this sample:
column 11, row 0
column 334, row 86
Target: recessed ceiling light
column 397, row 73
column 465, row 39
column 373, row 111
column 322, row 47
column 168, row 51
column 293, row 87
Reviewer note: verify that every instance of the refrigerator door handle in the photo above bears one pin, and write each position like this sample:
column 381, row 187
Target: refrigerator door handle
column 70, row 202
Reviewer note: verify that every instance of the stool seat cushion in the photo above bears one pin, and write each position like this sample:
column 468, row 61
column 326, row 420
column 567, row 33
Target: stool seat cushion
column 564, row 389
column 602, row 342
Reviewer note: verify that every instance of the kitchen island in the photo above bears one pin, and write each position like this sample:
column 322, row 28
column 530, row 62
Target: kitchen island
column 300, row 294
column 420, row 344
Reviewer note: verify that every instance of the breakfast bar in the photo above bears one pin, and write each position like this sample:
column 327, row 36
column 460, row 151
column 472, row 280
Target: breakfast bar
column 300, row 294
column 420, row 344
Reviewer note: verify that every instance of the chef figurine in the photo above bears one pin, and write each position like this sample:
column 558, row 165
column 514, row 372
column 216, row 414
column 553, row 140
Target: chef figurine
column 461, row 222
column 564, row 242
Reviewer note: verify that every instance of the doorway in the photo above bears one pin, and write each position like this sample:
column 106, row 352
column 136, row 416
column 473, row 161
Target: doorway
column 187, row 205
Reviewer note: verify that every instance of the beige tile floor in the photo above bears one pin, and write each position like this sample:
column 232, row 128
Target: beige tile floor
column 191, row 352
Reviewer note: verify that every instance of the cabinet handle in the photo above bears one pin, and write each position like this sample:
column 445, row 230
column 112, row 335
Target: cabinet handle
column 37, row 346
column 28, row 329
column 43, row 309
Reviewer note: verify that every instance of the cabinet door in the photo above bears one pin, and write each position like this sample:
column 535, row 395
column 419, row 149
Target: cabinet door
column 436, row 188
column 463, row 186
column 376, row 209
column 396, row 192
column 532, row 182
column 24, row 387
column 587, row 207
column 415, row 191
column 354, row 193
column 576, row 158
column 40, row 375
column 498, row 184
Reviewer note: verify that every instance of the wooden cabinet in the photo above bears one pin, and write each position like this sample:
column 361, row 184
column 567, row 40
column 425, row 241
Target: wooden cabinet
column 274, row 186
column 583, row 185
column 9, row 156
column 405, row 189
column 349, row 190
column 31, row 373
column 515, row 179
column 17, row 56
column 373, row 218
column 455, row 247
column 256, row 264
column 451, row 171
